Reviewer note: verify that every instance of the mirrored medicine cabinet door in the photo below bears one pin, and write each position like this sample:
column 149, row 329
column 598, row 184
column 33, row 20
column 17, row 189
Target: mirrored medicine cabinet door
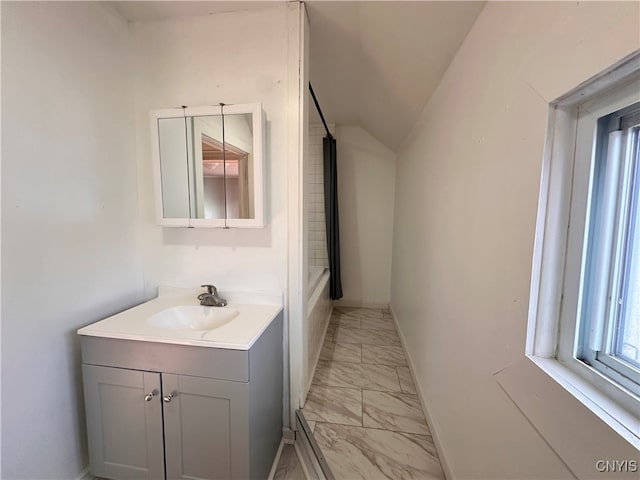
column 209, row 166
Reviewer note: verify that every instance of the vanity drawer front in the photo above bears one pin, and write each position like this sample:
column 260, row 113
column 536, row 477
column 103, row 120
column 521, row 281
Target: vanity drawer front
column 168, row 358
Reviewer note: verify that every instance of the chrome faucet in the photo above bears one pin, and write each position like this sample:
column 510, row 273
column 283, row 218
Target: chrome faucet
column 211, row 298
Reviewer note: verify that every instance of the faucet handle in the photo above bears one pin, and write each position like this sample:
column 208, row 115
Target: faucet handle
column 210, row 289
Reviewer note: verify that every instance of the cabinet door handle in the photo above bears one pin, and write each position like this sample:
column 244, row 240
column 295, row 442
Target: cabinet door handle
column 168, row 397
column 149, row 396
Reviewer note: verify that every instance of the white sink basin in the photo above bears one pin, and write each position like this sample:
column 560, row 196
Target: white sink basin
column 190, row 317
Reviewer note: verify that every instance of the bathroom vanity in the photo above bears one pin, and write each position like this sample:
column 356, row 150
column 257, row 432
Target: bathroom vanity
column 169, row 400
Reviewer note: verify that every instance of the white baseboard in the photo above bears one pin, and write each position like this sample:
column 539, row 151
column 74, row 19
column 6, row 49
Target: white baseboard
column 448, row 474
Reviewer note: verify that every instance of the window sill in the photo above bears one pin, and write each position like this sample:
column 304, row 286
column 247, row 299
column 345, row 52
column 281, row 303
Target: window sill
column 613, row 414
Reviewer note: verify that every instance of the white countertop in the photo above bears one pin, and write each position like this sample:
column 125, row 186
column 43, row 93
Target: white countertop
column 256, row 312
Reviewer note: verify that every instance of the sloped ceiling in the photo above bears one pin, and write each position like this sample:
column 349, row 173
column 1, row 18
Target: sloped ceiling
column 373, row 63
column 376, row 63
column 147, row 10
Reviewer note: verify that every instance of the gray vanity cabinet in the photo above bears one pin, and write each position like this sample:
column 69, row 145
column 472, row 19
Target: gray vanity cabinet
column 125, row 430
column 205, row 425
column 158, row 410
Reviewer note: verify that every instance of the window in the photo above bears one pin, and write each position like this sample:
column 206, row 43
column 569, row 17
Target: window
column 609, row 307
column 584, row 315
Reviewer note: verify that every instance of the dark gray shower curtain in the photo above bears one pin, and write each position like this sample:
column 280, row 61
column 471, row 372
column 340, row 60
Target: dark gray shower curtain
column 331, row 215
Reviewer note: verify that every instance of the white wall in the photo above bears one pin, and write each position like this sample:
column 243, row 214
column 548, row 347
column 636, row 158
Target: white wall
column 68, row 219
column 465, row 211
column 366, row 179
column 236, row 57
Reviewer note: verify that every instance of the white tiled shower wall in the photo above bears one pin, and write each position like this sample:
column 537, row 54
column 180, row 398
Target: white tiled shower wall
column 315, row 181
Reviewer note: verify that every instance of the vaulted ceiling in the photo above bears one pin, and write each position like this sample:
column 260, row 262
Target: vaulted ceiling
column 373, row 63
column 376, row 63
column 149, row 10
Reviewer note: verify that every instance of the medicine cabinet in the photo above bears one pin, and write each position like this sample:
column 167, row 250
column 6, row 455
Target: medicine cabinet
column 209, row 166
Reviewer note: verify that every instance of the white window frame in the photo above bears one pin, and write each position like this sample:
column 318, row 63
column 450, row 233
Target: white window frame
column 558, row 247
column 611, row 169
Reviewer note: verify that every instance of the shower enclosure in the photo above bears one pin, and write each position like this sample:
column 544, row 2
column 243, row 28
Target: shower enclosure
column 318, row 302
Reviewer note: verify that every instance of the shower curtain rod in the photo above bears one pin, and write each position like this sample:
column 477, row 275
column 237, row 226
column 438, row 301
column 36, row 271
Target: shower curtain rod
column 315, row 100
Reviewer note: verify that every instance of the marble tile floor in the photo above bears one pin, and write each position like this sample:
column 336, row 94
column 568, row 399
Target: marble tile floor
column 289, row 467
column 363, row 408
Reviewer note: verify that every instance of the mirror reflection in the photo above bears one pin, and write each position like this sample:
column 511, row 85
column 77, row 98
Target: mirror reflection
column 206, row 166
column 224, row 165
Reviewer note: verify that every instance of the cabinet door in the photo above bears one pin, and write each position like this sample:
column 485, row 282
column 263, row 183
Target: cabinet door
column 124, row 426
column 206, row 428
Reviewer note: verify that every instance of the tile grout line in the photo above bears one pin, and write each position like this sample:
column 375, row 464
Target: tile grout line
column 398, row 373
column 361, row 389
column 377, row 429
column 362, row 406
column 341, row 424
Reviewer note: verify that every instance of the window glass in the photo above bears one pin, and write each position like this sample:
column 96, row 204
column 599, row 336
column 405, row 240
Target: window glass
column 609, row 338
column 627, row 344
